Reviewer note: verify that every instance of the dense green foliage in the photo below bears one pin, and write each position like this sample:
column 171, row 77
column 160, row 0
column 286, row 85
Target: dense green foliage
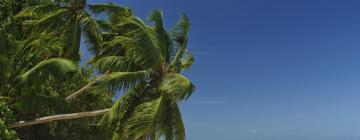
column 6, row 117
column 39, row 71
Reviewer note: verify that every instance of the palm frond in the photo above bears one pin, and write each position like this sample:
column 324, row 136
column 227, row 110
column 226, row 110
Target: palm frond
column 55, row 67
column 179, row 34
column 187, row 60
column 41, row 46
column 121, row 80
column 171, row 124
column 72, row 39
column 177, row 86
column 38, row 11
column 50, row 21
column 105, row 25
column 114, row 63
column 91, row 32
column 147, row 51
column 143, row 119
column 112, row 48
column 124, row 106
column 161, row 34
column 115, row 46
column 108, row 8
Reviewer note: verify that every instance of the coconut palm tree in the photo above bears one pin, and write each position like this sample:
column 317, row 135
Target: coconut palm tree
column 145, row 62
column 70, row 19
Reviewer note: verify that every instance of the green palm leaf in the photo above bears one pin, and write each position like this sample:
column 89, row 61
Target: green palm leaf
column 108, row 8
column 50, row 21
column 161, row 34
column 146, row 51
column 143, row 119
column 55, row 67
column 180, row 36
column 123, row 106
column 91, row 32
column 171, row 123
column 41, row 46
column 114, row 63
column 72, row 37
column 187, row 60
column 121, row 80
column 177, row 86
column 38, row 11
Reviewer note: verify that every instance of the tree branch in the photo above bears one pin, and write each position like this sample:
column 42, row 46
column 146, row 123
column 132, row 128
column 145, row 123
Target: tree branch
column 58, row 118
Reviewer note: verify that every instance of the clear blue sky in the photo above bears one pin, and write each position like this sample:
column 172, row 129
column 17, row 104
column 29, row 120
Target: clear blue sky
column 269, row 69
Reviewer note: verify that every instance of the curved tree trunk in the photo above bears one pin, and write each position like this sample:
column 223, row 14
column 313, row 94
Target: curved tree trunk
column 75, row 94
column 59, row 117
column 72, row 96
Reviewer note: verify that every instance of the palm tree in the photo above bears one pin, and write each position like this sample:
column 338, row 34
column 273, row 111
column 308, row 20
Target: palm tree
column 145, row 62
column 70, row 19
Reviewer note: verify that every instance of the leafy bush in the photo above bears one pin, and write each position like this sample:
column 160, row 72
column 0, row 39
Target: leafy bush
column 6, row 116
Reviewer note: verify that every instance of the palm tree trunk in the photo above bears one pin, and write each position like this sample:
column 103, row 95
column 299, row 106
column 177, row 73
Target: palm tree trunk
column 65, row 116
column 75, row 94
column 72, row 96
column 59, row 117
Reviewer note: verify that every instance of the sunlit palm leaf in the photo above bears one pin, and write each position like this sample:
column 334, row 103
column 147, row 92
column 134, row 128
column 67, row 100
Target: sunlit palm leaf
column 180, row 36
column 143, row 119
column 147, row 51
column 121, row 80
column 56, row 67
column 114, row 63
column 41, row 46
column 187, row 60
column 161, row 34
column 38, row 11
column 107, row 8
column 171, row 123
column 51, row 21
column 123, row 106
column 179, row 87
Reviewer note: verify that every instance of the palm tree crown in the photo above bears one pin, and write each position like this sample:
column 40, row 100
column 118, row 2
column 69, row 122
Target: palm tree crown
column 145, row 61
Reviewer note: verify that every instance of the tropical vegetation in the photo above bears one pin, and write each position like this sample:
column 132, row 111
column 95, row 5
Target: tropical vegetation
column 129, row 90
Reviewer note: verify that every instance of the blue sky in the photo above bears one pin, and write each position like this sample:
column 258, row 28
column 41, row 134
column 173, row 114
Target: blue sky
column 269, row 69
